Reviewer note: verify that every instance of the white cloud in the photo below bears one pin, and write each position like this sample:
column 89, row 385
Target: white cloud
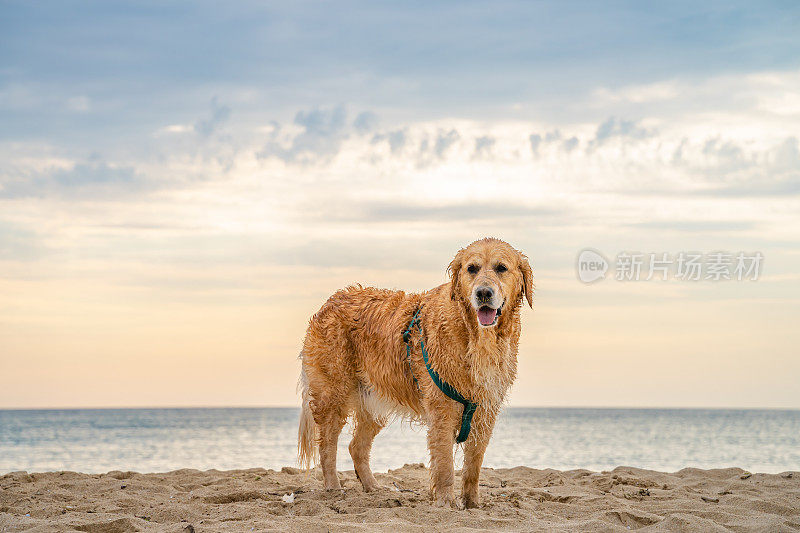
column 321, row 133
column 333, row 175
column 484, row 145
column 175, row 128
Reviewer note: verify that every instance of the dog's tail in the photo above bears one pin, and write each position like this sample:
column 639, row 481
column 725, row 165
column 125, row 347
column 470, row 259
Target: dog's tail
column 307, row 432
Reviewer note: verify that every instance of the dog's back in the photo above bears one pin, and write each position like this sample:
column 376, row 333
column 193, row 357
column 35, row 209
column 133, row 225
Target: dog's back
column 353, row 362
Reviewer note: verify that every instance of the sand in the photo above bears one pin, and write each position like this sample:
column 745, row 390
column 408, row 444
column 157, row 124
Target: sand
column 516, row 499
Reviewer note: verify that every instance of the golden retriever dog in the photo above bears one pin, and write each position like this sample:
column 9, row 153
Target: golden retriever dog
column 355, row 364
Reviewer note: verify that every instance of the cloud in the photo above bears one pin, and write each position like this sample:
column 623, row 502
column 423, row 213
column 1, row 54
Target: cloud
column 536, row 141
column 444, row 141
column 483, row 146
column 786, row 156
column 321, row 136
column 396, row 139
column 552, row 136
column 92, row 179
column 219, row 115
column 404, row 210
column 175, row 128
column 725, row 156
column 18, row 243
column 84, row 174
column 691, row 226
column 614, row 127
column 730, row 168
column 719, row 167
column 641, row 93
column 322, row 123
column 697, row 165
column 365, row 122
column 752, row 189
column 343, row 252
column 434, row 152
column 570, row 144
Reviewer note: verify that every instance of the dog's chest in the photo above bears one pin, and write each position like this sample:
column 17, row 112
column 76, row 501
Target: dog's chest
column 492, row 371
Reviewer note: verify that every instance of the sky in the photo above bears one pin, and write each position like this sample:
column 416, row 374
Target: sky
column 183, row 184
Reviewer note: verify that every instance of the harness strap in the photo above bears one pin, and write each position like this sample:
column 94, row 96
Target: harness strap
column 446, row 388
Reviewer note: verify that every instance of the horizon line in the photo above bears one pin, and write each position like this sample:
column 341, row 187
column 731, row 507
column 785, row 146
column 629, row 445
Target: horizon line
column 573, row 407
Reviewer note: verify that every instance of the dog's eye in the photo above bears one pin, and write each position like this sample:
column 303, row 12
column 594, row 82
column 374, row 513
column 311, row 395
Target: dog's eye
column 500, row 268
column 473, row 269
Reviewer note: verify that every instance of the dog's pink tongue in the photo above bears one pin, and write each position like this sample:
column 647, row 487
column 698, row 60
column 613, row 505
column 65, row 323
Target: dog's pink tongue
column 486, row 315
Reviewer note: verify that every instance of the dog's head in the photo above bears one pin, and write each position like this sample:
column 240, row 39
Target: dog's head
column 489, row 275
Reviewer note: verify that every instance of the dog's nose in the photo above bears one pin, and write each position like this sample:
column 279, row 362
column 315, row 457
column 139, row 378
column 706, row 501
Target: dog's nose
column 484, row 294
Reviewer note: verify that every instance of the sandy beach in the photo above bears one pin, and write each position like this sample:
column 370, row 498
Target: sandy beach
column 516, row 499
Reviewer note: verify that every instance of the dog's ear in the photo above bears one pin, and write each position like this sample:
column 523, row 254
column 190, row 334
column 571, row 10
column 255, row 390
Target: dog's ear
column 527, row 278
column 454, row 269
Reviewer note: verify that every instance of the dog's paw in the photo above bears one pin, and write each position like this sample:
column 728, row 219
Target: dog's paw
column 470, row 503
column 373, row 487
column 448, row 501
column 443, row 501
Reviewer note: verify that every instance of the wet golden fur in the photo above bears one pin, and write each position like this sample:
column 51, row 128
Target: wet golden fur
column 354, row 364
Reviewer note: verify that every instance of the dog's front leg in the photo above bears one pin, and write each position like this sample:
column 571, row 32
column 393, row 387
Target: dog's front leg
column 441, row 440
column 475, row 447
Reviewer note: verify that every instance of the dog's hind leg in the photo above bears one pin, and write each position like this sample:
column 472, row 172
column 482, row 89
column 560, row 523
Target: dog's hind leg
column 327, row 362
column 365, row 431
column 329, row 430
column 330, row 404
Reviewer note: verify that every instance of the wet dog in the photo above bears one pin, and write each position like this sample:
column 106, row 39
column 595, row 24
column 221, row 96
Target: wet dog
column 354, row 363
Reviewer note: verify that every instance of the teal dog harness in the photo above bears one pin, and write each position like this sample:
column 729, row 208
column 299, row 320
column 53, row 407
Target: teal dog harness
column 446, row 388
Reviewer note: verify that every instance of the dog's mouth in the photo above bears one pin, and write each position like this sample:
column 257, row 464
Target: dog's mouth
column 487, row 316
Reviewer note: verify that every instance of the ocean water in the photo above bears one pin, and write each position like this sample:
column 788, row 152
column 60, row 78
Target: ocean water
column 157, row 440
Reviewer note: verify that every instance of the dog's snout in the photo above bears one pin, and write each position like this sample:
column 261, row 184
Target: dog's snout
column 484, row 294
